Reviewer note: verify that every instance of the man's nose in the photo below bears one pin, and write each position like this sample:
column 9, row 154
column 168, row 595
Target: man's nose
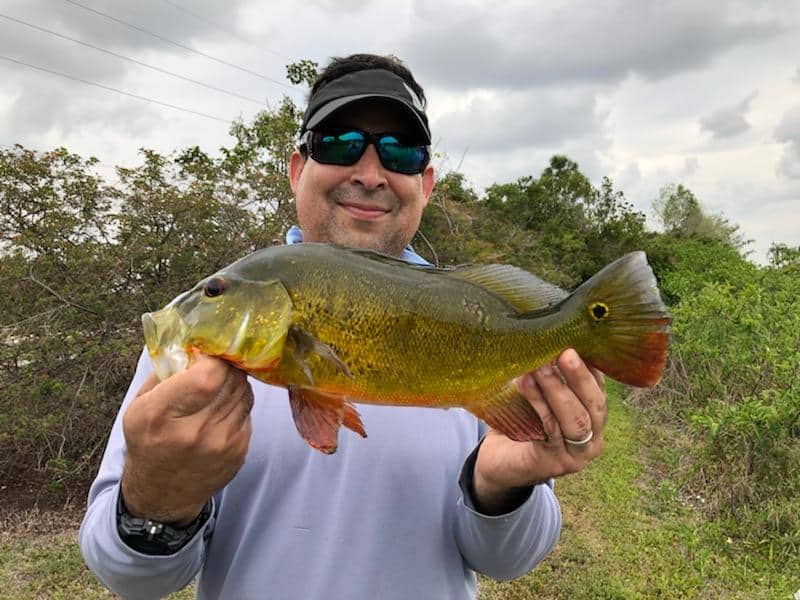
column 369, row 171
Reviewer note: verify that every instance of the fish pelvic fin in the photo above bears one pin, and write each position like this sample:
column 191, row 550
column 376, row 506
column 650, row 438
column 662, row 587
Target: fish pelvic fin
column 318, row 417
column 628, row 322
column 506, row 410
column 304, row 344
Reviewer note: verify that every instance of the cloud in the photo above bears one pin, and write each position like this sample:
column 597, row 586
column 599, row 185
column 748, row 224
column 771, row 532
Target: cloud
column 728, row 121
column 629, row 176
column 788, row 132
column 348, row 6
column 78, row 21
column 500, row 122
column 690, row 166
column 527, row 44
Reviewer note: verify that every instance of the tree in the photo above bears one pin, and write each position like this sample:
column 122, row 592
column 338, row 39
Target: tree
column 302, row 71
column 783, row 255
column 681, row 215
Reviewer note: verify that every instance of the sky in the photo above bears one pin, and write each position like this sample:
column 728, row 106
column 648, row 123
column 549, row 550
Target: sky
column 706, row 94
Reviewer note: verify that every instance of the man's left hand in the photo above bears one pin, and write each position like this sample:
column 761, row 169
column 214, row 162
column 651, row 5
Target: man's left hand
column 572, row 409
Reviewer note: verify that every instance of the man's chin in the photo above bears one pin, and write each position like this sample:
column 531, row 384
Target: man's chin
column 367, row 240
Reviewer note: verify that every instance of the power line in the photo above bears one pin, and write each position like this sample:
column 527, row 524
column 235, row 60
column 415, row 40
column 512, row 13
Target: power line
column 112, row 89
column 234, row 35
column 179, row 45
column 133, row 60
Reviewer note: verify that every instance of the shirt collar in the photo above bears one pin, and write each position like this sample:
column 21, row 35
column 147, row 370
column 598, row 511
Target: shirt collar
column 295, row 236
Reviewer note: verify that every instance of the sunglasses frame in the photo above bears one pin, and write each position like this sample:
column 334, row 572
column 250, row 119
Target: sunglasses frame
column 306, row 146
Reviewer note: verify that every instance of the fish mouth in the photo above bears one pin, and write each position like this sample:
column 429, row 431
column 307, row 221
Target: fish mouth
column 164, row 334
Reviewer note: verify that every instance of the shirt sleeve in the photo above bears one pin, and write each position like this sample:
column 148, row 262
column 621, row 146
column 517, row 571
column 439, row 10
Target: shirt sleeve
column 120, row 568
column 507, row 546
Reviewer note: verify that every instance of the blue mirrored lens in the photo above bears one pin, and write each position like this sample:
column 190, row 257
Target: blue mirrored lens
column 400, row 157
column 340, row 149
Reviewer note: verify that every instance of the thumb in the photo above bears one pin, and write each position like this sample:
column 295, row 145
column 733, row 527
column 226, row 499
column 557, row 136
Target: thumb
column 149, row 383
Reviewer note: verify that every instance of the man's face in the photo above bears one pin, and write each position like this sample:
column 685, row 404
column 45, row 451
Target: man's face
column 363, row 205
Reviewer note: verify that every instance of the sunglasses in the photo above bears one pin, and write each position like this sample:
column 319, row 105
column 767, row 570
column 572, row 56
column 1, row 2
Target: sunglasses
column 345, row 148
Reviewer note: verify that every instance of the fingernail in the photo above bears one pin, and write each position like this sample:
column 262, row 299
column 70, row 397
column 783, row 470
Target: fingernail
column 571, row 358
column 546, row 370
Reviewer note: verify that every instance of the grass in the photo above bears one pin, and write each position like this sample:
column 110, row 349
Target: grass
column 627, row 535
column 39, row 558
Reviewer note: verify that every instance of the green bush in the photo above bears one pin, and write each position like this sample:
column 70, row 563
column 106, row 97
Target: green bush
column 733, row 382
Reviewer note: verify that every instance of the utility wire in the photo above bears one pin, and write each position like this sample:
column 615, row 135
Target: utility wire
column 179, row 45
column 234, row 35
column 133, row 60
column 112, row 89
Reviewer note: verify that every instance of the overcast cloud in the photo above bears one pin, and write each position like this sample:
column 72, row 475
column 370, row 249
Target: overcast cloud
column 728, row 120
column 701, row 93
column 788, row 131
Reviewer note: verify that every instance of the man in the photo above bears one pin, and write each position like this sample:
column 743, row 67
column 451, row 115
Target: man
column 198, row 478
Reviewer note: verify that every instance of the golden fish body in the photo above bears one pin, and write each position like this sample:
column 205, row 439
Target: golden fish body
column 335, row 325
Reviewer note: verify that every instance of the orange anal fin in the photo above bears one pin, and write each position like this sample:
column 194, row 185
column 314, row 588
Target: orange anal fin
column 507, row 411
column 318, row 417
column 352, row 420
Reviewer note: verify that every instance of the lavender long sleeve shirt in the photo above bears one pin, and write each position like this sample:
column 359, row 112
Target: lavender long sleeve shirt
column 385, row 517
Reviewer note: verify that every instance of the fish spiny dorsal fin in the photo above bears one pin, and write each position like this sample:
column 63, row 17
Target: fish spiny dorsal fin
column 387, row 259
column 522, row 290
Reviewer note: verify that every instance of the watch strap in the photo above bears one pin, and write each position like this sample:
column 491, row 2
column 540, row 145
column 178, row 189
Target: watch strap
column 154, row 537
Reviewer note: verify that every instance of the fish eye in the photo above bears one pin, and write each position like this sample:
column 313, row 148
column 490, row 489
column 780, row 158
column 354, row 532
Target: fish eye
column 214, row 287
column 598, row 310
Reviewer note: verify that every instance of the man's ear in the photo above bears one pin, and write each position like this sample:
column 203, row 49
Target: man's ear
column 428, row 181
column 296, row 164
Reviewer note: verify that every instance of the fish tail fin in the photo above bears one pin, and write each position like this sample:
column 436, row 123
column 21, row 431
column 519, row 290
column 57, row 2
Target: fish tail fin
column 628, row 322
column 507, row 411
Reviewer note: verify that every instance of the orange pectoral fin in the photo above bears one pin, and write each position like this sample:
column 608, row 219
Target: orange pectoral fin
column 507, row 411
column 318, row 417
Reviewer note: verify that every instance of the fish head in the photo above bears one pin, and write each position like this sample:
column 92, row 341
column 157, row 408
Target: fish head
column 242, row 321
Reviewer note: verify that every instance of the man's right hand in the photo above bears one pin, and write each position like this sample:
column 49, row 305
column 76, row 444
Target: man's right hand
column 186, row 437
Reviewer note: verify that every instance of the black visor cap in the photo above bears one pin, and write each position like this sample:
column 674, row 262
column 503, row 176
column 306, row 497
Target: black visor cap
column 359, row 85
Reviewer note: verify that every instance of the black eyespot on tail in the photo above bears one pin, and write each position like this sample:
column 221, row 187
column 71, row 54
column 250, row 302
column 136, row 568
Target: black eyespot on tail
column 214, row 287
column 598, row 310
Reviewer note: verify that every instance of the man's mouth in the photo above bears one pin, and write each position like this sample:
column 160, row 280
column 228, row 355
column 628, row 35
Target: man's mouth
column 365, row 212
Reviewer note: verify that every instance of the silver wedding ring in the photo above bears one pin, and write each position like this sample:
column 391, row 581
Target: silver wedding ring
column 582, row 442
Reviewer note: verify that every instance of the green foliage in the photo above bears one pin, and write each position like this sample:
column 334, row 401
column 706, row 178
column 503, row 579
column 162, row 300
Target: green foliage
column 83, row 259
column 733, row 383
column 783, row 255
column 578, row 228
column 685, row 265
column 302, row 71
column 682, row 216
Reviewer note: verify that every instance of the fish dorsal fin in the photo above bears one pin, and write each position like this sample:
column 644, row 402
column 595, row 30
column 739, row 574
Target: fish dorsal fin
column 388, row 259
column 522, row 290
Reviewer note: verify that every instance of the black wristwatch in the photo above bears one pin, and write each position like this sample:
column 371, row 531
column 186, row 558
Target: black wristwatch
column 154, row 538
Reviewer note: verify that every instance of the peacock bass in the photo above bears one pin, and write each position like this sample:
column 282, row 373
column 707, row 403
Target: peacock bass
column 338, row 325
